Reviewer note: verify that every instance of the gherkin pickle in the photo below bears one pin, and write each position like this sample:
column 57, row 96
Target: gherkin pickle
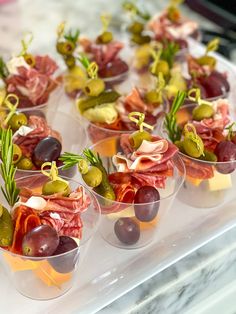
column 209, row 156
column 6, row 228
column 93, row 177
column 57, row 186
column 203, row 111
column 104, row 98
column 180, row 146
column 138, row 137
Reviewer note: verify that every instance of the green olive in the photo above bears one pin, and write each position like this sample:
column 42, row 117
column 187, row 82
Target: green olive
column 153, row 97
column 104, row 38
column 93, row 177
column 208, row 156
column 17, row 120
column 25, row 164
column 207, row 60
column 192, row 148
column 70, row 61
column 66, row 47
column 56, row 187
column 30, row 59
column 83, row 166
column 17, row 153
column 203, row 111
column 138, row 137
column 162, row 66
column 136, row 27
column 140, row 39
column 94, row 87
column 180, row 146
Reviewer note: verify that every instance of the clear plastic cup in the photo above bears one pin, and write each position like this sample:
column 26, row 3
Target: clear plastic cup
column 45, row 278
column 72, row 131
column 112, row 211
column 207, row 184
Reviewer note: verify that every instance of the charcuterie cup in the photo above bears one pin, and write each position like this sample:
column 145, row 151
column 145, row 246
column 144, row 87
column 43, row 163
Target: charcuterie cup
column 207, row 183
column 45, row 278
column 116, row 215
column 55, row 124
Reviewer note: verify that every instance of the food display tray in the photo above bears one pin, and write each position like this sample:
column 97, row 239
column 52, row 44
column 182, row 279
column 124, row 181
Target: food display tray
column 106, row 273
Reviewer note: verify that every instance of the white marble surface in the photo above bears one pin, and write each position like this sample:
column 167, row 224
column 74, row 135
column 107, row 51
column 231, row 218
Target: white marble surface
column 206, row 274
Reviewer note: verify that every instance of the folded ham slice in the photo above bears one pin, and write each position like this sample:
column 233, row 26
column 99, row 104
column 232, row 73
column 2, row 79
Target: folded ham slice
column 146, row 156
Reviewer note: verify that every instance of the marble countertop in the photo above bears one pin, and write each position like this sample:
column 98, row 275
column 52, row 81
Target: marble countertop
column 207, row 274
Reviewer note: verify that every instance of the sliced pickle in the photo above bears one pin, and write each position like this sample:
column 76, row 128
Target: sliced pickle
column 105, row 97
column 6, row 227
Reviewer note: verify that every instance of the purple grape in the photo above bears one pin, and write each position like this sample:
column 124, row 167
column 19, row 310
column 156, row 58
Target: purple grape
column 40, row 241
column 148, row 196
column 127, row 230
column 226, row 152
column 48, row 149
column 65, row 263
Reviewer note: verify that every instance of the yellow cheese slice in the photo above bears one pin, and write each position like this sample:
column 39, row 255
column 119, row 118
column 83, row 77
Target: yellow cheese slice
column 220, row 182
column 127, row 212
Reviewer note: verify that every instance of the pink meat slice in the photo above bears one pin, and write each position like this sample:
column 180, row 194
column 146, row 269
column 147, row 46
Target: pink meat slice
column 45, row 65
column 63, row 213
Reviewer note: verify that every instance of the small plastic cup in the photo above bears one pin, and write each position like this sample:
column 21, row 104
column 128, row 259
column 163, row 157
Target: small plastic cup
column 207, row 184
column 45, row 278
column 73, row 134
column 112, row 211
column 98, row 132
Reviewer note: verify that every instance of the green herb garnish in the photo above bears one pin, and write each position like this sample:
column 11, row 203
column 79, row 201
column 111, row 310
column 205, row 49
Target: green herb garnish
column 3, row 69
column 104, row 188
column 169, row 51
column 7, row 169
column 173, row 130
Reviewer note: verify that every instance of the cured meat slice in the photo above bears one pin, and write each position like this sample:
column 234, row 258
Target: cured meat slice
column 147, row 156
column 197, row 170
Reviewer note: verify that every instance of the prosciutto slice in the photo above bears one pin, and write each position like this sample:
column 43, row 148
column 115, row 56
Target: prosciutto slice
column 33, row 84
column 145, row 157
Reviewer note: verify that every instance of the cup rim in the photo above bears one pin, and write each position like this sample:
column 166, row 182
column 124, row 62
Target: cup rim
column 38, row 258
column 176, row 156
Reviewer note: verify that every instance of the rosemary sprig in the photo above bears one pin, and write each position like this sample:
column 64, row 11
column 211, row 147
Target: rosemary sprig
column 69, row 159
column 93, row 158
column 7, row 169
column 3, row 69
column 173, row 130
column 169, row 51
